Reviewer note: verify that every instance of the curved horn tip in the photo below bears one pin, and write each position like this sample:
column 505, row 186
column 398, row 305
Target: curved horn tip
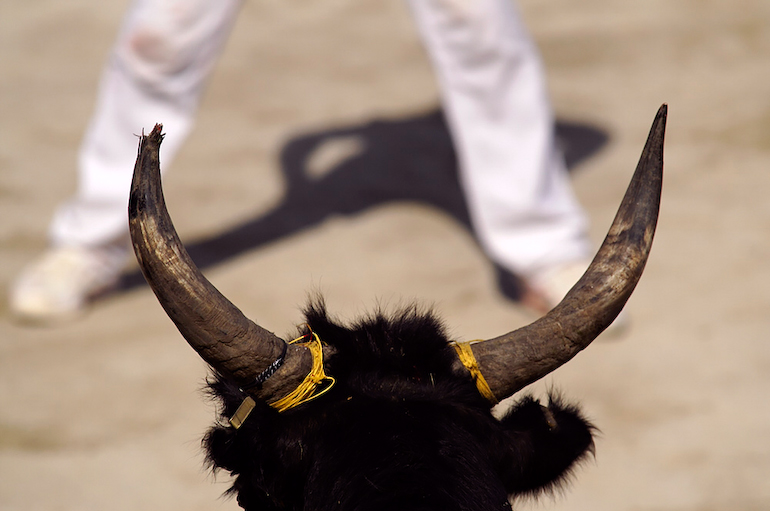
column 654, row 144
column 658, row 129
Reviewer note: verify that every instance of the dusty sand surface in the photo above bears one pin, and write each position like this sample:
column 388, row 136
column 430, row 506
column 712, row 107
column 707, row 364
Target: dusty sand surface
column 104, row 412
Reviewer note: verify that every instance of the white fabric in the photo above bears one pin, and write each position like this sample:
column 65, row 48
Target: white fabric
column 156, row 73
column 493, row 91
column 496, row 102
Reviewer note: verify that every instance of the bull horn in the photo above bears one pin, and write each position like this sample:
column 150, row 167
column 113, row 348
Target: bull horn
column 516, row 359
column 220, row 333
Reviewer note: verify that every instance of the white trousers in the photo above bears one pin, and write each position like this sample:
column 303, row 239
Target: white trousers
column 493, row 92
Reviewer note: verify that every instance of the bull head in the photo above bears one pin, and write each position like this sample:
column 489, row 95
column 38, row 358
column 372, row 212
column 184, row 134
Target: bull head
column 240, row 349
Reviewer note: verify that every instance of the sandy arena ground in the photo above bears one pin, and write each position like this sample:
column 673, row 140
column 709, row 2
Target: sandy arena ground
column 105, row 412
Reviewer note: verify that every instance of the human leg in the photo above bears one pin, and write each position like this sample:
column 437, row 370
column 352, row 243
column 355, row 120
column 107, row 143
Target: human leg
column 496, row 103
column 156, row 72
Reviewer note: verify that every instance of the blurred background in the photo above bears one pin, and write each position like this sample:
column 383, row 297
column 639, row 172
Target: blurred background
column 105, row 411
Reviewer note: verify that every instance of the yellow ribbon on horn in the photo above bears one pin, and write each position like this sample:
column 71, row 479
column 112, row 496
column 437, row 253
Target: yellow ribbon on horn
column 465, row 354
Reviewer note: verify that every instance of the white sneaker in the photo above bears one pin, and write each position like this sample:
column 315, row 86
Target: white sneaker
column 60, row 284
column 547, row 289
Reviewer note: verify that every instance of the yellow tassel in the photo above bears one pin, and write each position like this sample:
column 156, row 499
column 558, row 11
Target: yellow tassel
column 306, row 391
column 467, row 358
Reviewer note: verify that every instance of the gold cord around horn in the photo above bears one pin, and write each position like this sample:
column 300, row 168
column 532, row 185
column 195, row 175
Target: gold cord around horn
column 306, row 391
column 467, row 358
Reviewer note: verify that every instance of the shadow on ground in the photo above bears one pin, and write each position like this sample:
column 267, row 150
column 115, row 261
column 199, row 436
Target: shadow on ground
column 382, row 161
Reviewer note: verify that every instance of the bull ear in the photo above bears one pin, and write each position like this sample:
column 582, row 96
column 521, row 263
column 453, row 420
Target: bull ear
column 516, row 359
column 220, row 333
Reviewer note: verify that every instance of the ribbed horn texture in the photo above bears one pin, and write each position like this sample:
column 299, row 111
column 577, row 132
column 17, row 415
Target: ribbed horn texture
column 516, row 359
column 220, row 333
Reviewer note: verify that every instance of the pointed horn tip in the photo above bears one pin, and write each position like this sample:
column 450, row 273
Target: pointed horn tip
column 659, row 124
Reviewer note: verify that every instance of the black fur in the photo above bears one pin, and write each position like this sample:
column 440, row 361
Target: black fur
column 398, row 431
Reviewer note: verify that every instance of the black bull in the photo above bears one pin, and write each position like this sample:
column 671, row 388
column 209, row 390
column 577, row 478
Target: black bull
column 387, row 413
